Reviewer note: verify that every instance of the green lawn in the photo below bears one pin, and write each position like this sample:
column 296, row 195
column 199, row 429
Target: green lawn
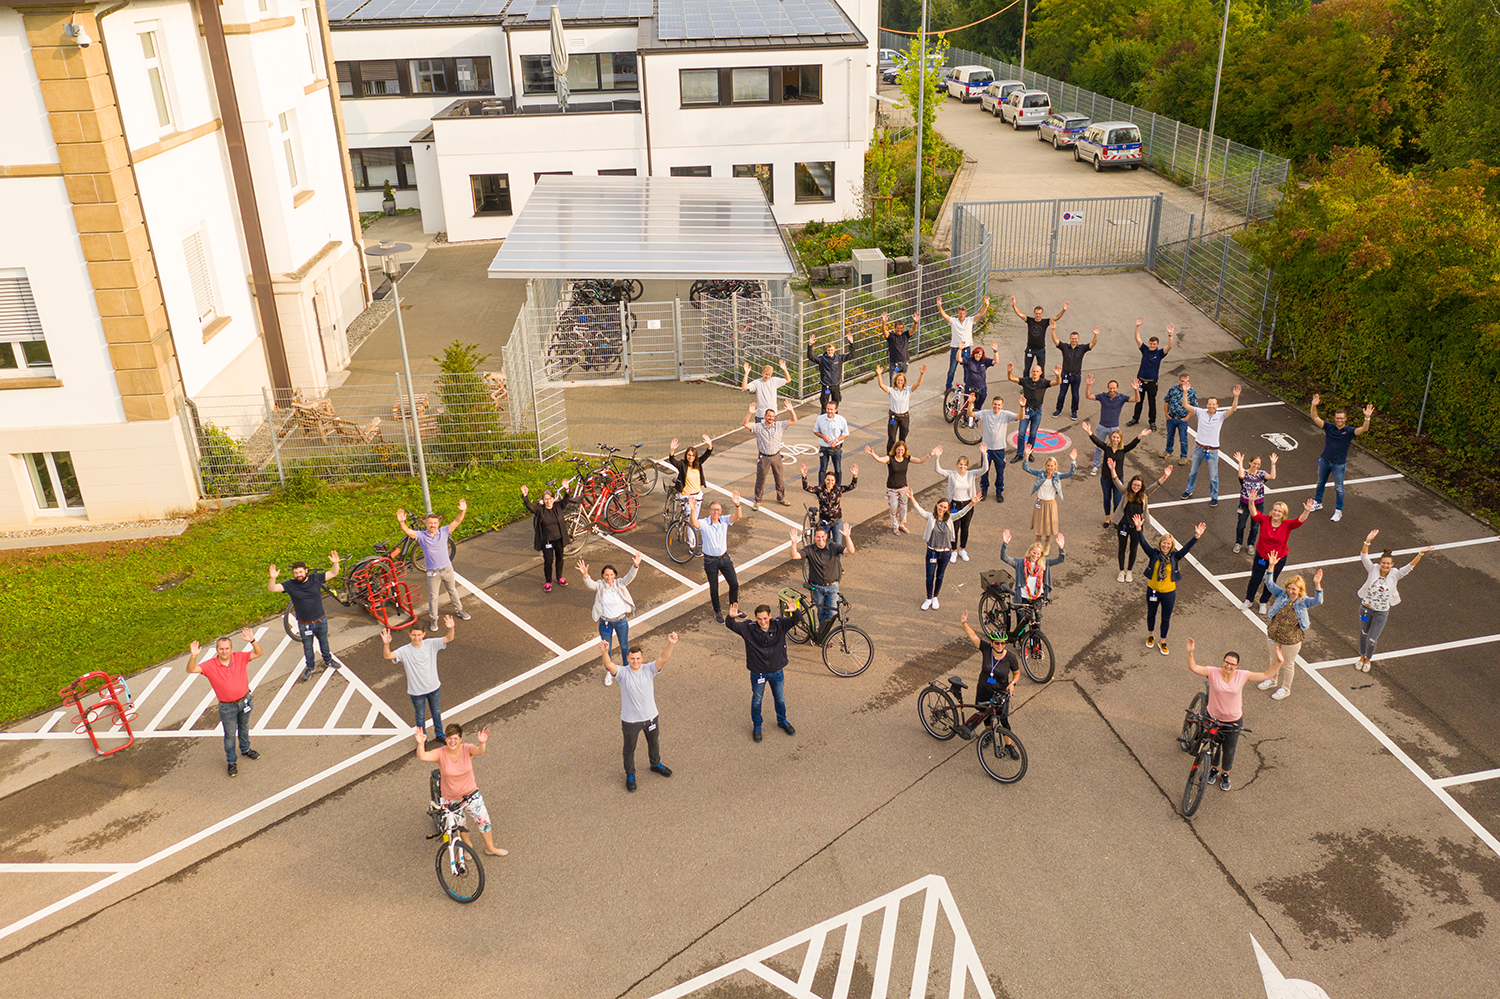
column 115, row 607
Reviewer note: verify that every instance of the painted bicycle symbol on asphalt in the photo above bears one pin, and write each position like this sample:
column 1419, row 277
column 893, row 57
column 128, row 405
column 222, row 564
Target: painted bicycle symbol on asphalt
column 791, row 454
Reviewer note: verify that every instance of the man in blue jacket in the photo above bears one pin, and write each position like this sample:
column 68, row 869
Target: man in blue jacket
column 765, row 658
column 830, row 367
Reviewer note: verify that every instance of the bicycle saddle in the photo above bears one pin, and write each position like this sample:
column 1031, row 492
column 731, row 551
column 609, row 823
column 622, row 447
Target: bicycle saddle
column 957, row 681
column 381, row 547
column 639, row 444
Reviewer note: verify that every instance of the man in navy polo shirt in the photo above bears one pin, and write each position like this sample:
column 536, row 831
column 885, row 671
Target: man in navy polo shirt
column 306, row 590
column 1337, row 436
column 1149, row 372
column 1111, row 402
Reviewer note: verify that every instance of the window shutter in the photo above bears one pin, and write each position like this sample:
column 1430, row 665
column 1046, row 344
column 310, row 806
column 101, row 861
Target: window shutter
column 18, row 316
column 197, row 262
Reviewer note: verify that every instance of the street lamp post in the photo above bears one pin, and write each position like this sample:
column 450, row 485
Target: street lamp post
column 388, row 252
column 1025, row 16
column 1213, row 115
column 916, row 229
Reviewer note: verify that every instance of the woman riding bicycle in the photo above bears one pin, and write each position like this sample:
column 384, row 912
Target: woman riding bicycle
column 455, row 760
column 1225, row 704
column 690, row 482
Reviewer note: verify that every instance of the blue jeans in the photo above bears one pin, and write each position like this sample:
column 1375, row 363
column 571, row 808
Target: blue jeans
column 826, row 599
column 937, row 565
column 1178, row 427
column 315, row 629
column 235, row 717
column 758, row 683
column 1030, row 424
column 834, row 455
column 422, row 704
column 1324, row 468
column 994, row 460
column 1201, row 454
column 618, row 628
column 1068, row 382
column 952, row 367
column 1103, row 434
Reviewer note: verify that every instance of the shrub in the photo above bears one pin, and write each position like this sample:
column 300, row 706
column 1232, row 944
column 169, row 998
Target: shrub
column 469, row 427
column 222, row 460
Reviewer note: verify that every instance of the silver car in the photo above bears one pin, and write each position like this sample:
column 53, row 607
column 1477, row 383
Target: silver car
column 1025, row 108
column 1061, row 129
column 996, row 93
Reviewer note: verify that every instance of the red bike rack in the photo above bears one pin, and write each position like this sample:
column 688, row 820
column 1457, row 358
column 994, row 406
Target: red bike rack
column 114, row 696
column 385, row 587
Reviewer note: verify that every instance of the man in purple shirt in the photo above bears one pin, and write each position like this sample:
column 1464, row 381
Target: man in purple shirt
column 434, row 543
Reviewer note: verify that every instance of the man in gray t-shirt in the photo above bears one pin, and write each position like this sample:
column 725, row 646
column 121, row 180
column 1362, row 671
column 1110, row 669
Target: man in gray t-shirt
column 637, row 682
column 995, row 425
column 419, row 660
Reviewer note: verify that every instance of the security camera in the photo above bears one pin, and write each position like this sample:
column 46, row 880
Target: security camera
column 76, row 32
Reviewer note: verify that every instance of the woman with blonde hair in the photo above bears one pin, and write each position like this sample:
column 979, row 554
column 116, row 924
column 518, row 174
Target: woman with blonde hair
column 1271, row 547
column 1045, row 494
column 1163, row 573
column 1287, row 621
column 896, row 464
column 1034, row 569
column 963, row 487
column 900, row 398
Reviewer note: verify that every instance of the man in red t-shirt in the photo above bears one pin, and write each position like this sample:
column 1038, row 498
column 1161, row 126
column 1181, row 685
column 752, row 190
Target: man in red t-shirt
column 226, row 673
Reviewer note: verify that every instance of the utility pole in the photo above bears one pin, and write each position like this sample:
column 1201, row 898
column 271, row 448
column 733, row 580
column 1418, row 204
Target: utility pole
column 1213, row 115
column 916, row 230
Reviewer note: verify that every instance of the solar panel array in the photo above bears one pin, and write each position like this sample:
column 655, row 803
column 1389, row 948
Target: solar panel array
column 689, row 19
column 381, row 10
column 578, row 10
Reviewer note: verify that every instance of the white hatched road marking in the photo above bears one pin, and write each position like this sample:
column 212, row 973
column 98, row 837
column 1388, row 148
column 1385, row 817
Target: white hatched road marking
column 338, row 709
column 307, row 702
column 1355, row 558
column 966, row 969
column 165, row 708
column 648, row 560
column 1461, row 643
column 281, row 695
column 1225, row 497
column 56, row 717
column 507, row 613
column 1467, row 778
column 135, row 704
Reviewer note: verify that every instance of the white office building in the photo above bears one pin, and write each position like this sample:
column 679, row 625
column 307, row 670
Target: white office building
column 455, row 105
column 176, row 225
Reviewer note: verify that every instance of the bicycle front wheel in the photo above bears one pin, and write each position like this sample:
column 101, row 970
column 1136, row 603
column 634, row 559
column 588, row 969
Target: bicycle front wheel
column 847, row 651
column 950, row 408
column 801, row 632
column 434, row 787
column 680, row 542
column 1005, row 763
column 1036, row 656
column 938, row 713
column 992, row 617
column 642, row 476
column 1192, row 723
column 579, row 529
column 967, row 428
column 289, row 622
column 619, row 512
column 1192, row 794
column 460, row 873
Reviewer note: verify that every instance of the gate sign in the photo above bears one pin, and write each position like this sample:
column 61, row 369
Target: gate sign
column 1072, row 218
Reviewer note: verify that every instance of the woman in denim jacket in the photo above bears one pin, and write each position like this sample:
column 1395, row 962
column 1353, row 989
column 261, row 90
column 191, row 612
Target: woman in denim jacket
column 1045, row 494
column 1285, row 623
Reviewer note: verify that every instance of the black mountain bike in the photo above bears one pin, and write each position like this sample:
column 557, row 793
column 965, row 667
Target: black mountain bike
column 942, row 714
column 1203, row 737
column 1016, row 622
column 847, row 650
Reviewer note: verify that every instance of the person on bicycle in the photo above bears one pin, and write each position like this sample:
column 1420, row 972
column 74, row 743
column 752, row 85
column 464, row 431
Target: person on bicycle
column 226, row 672
column 638, row 703
column 1033, row 570
column 690, row 481
column 713, row 530
column 900, row 397
column 997, row 681
column 613, row 605
column 830, row 506
column 455, row 760
column 898, row 341
column 419, row 661
column 824, row 567
column 765, row 658
column 1163, row 573
column 830, row 367
column 975, row 363
column 549, row 528
column 305, row 589
column 1226, row 687
column 765, row 387
column 434, row 542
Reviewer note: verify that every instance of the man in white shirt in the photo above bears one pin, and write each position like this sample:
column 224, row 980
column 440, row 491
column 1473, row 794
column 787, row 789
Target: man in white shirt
column 831, row 429
column 995, row 425
column 766, row 386
column 1206, row 447
column 419, row 660
column 714, row 532
column 963, row 335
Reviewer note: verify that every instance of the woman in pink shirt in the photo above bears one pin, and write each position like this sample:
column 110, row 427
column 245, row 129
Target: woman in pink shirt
column 455, row 760
column 1225, row 703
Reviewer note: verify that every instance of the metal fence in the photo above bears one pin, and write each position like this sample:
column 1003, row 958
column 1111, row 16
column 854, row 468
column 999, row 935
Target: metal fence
column 1064, row 233
column 1241, row 179
column 1217, row 274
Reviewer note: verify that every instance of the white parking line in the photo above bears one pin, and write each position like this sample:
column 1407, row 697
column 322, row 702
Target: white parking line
column 56, row 717
column 1420, row 650
column 1467, row 778
column 1234, row 497
column 312, row 696
column 1260, row 405
column 508, row 614
column 1355, row 558
column 64, row 868
column 136, row 702
column 648, row 559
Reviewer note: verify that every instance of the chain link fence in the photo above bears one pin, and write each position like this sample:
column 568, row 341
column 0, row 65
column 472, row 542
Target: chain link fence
column 1217, row 274
column 1240, row 179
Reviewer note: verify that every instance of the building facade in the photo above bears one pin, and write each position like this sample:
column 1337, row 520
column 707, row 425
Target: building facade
column 178, row 226
column 458, row 111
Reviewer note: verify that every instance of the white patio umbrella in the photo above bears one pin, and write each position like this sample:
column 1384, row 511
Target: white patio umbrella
column 559, row 59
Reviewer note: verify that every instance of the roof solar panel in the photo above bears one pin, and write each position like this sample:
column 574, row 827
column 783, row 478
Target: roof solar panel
column 390, row 10
column 577, row 10
column 715, row 19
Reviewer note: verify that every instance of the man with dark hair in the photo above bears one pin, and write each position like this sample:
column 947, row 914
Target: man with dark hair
column 1335, row 457
column 765, row 658
column 768, row 432
column 1072, row 367
column 434, row 543
column 824, row 568
column 638, row 713
column 1111, row 402
column 1033, row 396
column 830, row 367
column 1149, row 372
column 419, row 660
column 306, row 591
column 1037, row 328
column 225, row 671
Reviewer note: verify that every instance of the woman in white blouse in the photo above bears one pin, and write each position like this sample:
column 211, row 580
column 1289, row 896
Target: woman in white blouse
column 963, row 487
column 1378, row 596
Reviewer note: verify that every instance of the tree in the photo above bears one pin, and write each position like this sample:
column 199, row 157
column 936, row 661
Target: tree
column 1463, row 128
column 1062, row 32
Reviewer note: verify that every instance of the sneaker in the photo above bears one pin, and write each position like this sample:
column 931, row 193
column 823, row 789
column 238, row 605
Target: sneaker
column 1213, row 775
column 1094, row 470
column 1152, row 427
column 1020, row 456
column 1150, row 641
column 1316, row 506
column 786, row 727
column 1281, row 694
column 463, row 615
column 234, row 770
column 1266, row 684
column 755, row 735
column 561, row 581
column 609, row 678
column 784, row 502
column 1056, row 413
column 1132, row 423
column 1238, row 547
column 1245, row 604
column 630, row 782
column 1162, row 645
column 661, row 768
column 1213, row 501
column 934, row 603
column 251, row 754
column 963, row 553
column 1188, row 494
column 306, row 675
column 1338, row 515
column 1366, row 667
column 432, row 625
column 1223, row 782
column 1262, row 610
column 927, row 604
column 1129, row 576
column 546, row 588
column 1121, row 577
column 953, row 557
column 999, row 497
column 331, row 664
column 1183, row 460
column 1073, row 416
column 1015, row 753
column 719, row 616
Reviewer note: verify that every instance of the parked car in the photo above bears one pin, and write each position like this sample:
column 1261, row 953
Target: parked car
column 1061, row 129
column 967, row 83
column 1109, row 144
column 996, row 93
column 935, row 71
column 1025, row 108
column 887, row 59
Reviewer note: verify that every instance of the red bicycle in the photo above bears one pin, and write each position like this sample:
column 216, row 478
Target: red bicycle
column 605, row 500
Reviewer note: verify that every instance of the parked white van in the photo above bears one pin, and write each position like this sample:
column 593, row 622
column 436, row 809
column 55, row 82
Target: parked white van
column 967, row 83
column 1026, row 108
column 1109, row 144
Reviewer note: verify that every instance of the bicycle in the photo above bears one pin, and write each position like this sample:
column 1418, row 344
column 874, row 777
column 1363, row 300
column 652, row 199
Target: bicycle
column 639, row 475
column 1203, row 737
column 967, row 425
column 997, row 610
column 683, row 542
column 941, row 714
column 952, row 399
column 459, row 869
column 847, row 650
column 344, row 594
column 607, row 502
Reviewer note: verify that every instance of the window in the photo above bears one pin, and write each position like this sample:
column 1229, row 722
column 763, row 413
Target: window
column 428, row 77
column 693, row 171
column 760, row 171
column 802, row 83
column 200, row 276
column 156, row 75
column 491, row 193
column 381, row 78
column 550, row 173
column 346, row 78
column 53, row 481
column 814, row 181
column 473, row 75
column 588, row 72
column 700, row 86
column 289, row 148
column 374, row 168
column 314, row 36
column 626, row 172
column 23, row 350
column 751, row 86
